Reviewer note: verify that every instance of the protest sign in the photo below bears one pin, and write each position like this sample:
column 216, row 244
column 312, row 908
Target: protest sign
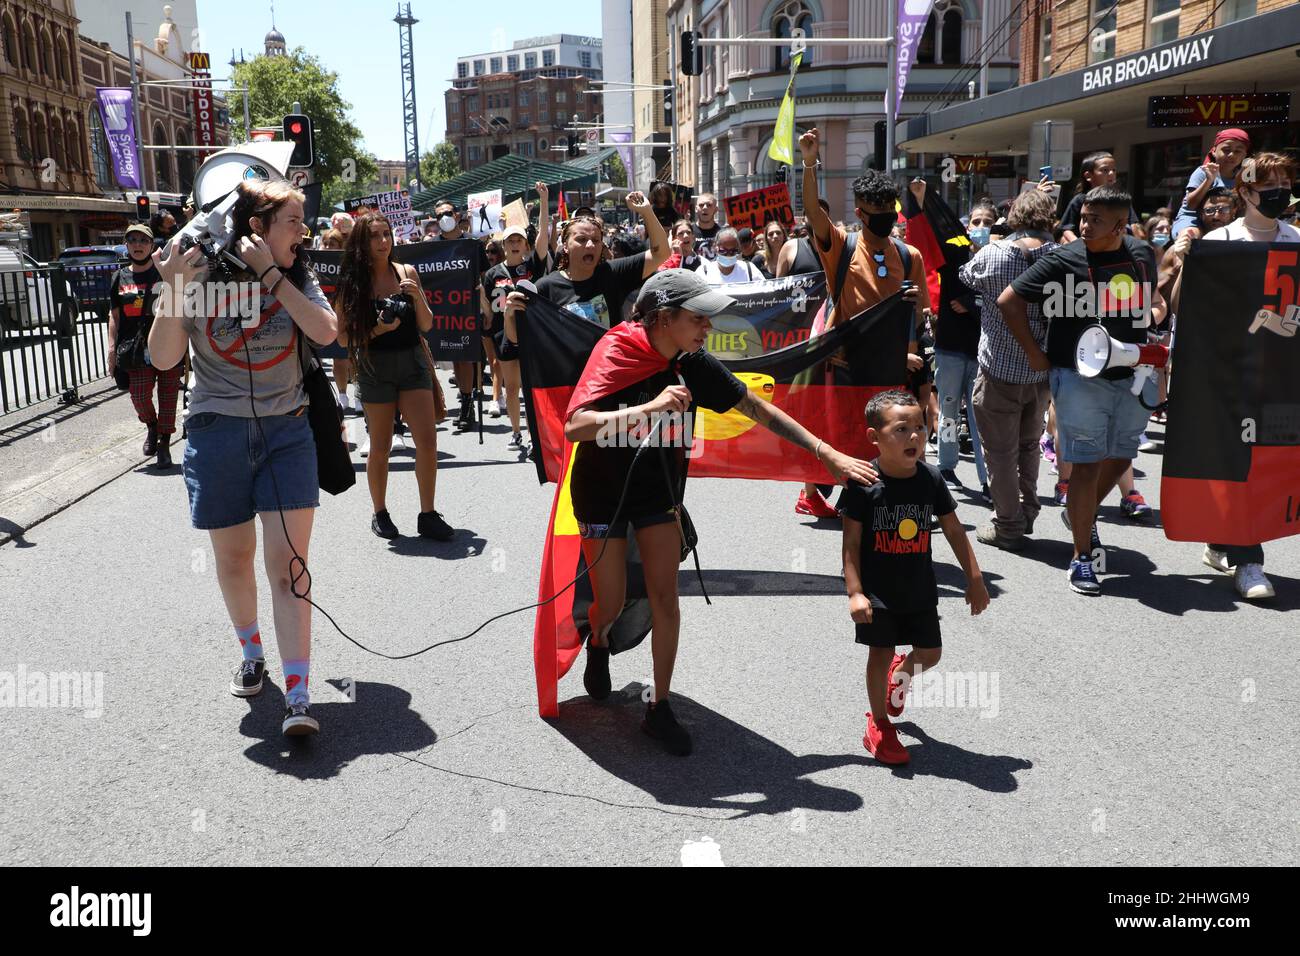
column 395, row 207
column 484, row 213
column 758, row 207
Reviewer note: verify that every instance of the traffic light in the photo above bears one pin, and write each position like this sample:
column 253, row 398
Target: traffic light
column 573, row 144
column 692, row 53
column 668, row 102
column 879, row 161
column 297, row 130
column 142, row 207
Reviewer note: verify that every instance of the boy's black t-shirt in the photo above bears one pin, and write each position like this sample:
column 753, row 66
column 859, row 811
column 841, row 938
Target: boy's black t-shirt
column 133, row 294
column 504, row 277
column 600, row 472
column 599, row 298
column 895, row 513
column 1131, row 267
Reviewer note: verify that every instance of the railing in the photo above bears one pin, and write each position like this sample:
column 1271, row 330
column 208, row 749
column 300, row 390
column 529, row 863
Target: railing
column 90, row 284
column 48, row 348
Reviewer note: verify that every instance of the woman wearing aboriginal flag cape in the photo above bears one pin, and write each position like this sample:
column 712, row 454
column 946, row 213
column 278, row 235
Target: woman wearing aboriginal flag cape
column 642, row 384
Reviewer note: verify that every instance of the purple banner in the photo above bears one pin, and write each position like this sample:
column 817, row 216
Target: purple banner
column 912, row 16
column 115, row 111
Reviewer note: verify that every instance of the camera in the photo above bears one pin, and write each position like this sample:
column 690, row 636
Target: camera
column 394, row 307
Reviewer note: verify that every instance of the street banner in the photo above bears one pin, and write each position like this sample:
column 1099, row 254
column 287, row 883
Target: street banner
column 116, row 113
column 204, row 112
column 822, row 382
column 782, row 148
column 1231, row 471
column 484, row 213
column 938, row 235
column 758, row 207
column 395, row 207
column 448, row 278
column 1219, row 109
column 912, row 16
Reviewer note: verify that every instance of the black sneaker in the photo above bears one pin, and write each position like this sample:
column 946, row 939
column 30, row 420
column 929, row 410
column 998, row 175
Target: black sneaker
column 247, row 680
column 950, row 479
column 660, row 724
column 298, row 721
column 596, row 675
column 430, row 525
column 517, row 441
column 164, row 453
column 383, row 526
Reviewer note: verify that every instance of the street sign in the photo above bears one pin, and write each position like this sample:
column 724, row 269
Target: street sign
column 1052, row 142
column 301, row 177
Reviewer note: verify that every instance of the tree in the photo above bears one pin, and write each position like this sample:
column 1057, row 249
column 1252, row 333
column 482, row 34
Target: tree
column 616, row 170
column 275, row 83
column 439, row 165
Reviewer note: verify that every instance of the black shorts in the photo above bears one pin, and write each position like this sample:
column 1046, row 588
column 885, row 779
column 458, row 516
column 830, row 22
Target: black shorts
column 595, row 531
column 895, row 628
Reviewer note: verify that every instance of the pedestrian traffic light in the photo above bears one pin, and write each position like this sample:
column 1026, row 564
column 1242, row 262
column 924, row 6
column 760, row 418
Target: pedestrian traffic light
column 692, row 53
column 879, row 161
column 142, row 207
column 668, row 102
column 297, row 130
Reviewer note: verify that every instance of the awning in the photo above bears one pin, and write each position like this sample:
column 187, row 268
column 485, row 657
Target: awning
column 513, row 175
column 56, row 203
column 1258, row 51
column 593, row 161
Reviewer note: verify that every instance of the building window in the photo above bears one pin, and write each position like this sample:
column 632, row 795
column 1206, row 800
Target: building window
column 471, row 104
column 1045, row 49
column 1164, row 21
column 162, row 167
column 523, row 98
column 1101, row 38
column 46, row 53
column 548, row 58
column 525, row 119
column 496, row 64
column 1234, row 10
column 29, row 47
column 10, row 40
column 561, row 96
column 530, row 61
column 184, row 162
column 925, row 49
column 950, row 45
column 462, row 70
column 542, row 116
column 453, row 123
column 788, row 18
column 478, row 67
column 474, row 154
column 525, row 149
column 512, row 63
column 584, row 59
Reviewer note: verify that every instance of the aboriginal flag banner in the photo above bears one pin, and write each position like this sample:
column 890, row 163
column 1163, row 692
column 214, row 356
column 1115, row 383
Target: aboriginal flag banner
column 823, row 382
column 1232, row 449
column 938, row 234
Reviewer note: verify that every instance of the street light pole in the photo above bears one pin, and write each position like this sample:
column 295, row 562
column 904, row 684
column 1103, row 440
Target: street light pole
column 891, row 88
column 135, row 99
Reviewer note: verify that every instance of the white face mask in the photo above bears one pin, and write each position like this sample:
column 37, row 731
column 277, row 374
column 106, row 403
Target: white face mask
column 727, row 261
column 447, row 224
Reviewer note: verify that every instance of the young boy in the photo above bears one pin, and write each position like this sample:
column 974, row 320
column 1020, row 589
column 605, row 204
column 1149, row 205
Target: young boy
column 893, row 597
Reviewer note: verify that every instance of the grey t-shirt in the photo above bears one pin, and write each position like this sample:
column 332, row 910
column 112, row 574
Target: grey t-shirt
column 221, row 362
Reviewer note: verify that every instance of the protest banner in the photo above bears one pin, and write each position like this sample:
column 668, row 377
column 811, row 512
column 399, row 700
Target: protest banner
column 484, row 213
column 758, row 207
column 395, row 207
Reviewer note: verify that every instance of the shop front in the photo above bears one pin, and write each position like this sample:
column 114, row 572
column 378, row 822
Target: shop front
column 57, row 222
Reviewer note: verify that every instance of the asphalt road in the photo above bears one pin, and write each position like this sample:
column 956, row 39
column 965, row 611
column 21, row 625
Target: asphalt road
column 1154, row 725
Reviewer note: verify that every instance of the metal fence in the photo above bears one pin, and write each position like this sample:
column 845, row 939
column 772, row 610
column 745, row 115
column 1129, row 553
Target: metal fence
column 90, row 284
column 48, row 346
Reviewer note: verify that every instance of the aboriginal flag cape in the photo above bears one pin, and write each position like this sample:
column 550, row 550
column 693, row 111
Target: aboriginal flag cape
column 1232, row 447
column 822, row 382
column 938, row 234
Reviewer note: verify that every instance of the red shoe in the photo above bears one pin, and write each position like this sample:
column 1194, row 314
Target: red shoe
column 882, row 741
column 895, row 688
column 817, row 506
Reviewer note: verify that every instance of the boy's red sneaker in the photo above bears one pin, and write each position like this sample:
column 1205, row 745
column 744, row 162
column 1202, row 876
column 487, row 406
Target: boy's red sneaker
column 892, row 708
column 882, row 741
column 817, row 506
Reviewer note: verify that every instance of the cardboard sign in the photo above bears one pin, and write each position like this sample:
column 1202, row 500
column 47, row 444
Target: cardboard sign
column 757, row 208
column 484, row 213
column 516, row 214
column 1219, row 109
column 395, row 206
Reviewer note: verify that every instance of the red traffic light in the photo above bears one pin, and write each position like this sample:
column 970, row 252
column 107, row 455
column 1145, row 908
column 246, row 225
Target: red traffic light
column 295, row 128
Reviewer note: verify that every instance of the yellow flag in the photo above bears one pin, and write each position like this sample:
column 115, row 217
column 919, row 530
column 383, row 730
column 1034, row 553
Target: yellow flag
column 782, row 148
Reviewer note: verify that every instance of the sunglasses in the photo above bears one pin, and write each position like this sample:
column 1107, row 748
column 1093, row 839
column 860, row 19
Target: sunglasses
column 881, row 269
column 730, row 251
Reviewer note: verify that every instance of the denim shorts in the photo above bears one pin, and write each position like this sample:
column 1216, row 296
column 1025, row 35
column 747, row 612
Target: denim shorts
column 1096, row 418
column 619, row 528
column 231, row 474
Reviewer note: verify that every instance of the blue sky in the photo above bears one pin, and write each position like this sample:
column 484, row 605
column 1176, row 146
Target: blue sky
column 359, row 41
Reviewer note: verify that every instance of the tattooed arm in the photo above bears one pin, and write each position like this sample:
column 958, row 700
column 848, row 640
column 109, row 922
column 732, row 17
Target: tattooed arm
column 781, row 425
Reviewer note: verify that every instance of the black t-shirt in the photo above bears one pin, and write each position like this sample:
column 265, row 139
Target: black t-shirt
column 895, row 513
column 1096, row 278
column 133, row 294
column 1072, row 212
column 704, row 238
column 503, row 277
column 956, row 331
column 600, row 472
column 601, row 297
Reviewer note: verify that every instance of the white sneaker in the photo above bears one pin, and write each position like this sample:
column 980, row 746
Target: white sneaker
column 1145, row 443
column 501, row 406
column 1251, row 582
column 496, row 411
column 1217, row 560
column 399, row 442
column 364, row 449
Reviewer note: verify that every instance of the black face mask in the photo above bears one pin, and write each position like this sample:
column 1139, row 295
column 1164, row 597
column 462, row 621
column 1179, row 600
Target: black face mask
column 881, row 223
column 1273, row 202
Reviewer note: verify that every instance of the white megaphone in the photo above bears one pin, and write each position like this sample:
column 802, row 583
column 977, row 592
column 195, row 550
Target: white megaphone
column 1096, row 352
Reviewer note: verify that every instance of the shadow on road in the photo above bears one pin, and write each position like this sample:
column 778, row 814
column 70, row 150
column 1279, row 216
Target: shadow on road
column 750, row 583
column 379, row 721
column 16, row 534
column 933, row 758
column 732, row 768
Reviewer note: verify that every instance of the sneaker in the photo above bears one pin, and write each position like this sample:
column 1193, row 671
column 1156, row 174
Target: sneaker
column 1047, row 445
column 1145, row 443
column 1094, row 539
column 429, row 524
column 883, row 743
column 451, row 380
column 1134, row 506
column 595, row 677
column 399, row 443
column 1060, row 491
column 1083, row 580
column 298, row 721
column 988, row 534
column 949, row 477
column 247, row 680
column 1217, row 560
column 660, row 724
column 1251, row 582
column 364, row 450
column 516, row 441
column 382, row 525
column 897, row 693
column 501, row 408
column 817, row 506
column 150, row 446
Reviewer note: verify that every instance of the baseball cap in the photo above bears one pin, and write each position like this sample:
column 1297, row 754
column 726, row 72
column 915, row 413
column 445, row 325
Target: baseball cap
column 682, row 288
column 138, row 227
column 514, row 231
